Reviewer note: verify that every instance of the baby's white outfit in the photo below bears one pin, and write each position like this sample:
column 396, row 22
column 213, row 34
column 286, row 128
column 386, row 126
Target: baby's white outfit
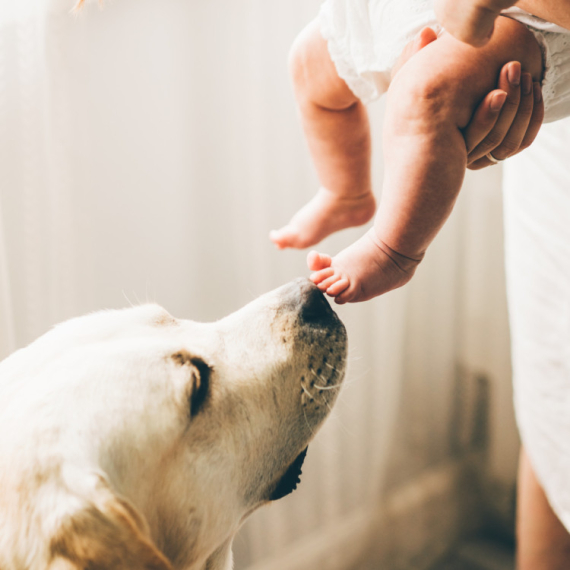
column 366, row 37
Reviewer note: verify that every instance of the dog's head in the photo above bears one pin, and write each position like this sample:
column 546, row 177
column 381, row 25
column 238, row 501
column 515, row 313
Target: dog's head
column 131, row 439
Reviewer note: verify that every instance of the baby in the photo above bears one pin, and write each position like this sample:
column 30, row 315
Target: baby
column 345, row 59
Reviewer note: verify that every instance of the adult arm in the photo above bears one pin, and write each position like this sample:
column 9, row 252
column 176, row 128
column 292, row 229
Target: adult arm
column 555, row 11
column 505, row 122
column 472, row 21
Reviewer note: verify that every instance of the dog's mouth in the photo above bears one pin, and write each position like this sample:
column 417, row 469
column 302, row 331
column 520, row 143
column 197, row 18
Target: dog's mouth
column 291, row 479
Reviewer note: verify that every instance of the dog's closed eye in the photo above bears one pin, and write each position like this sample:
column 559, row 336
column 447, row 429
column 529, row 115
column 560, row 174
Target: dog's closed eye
column 200, row 379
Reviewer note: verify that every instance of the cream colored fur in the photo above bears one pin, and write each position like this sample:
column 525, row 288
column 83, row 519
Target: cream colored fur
column 133, row 440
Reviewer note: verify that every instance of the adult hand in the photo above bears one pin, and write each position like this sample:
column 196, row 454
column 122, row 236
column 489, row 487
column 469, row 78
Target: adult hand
column 471, row 21
column 506, row 121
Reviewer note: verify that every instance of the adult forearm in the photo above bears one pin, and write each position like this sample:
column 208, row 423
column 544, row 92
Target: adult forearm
column 555, row 11
column 470, row 21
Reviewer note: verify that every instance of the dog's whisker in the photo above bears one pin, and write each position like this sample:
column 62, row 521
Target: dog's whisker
column 317, row 375
column 307, row 421
column 352, row 358
column 330, row 409
column 137, row 298
column 358, row 377
column 306, row 391
column 336, row 417
column 127, row 298
column 327, row 387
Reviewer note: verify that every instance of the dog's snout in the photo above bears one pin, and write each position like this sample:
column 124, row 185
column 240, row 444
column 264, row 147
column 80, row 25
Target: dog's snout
column 314, row 308
column 310, row 302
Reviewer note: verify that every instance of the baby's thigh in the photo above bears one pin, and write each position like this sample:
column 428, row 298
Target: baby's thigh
column 314, row 74
column 446, row 80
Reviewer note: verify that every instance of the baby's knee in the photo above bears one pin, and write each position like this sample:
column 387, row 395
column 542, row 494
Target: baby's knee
column 314, row 74
column 425, row 98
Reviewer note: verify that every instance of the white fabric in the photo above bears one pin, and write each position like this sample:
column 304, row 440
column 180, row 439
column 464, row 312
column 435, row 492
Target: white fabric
column 537, row 225
column 366, row 37
column 555, row 48
column 554, row 42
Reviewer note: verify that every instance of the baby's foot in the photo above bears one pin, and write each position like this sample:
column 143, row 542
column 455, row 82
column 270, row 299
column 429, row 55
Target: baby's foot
column 364, row 270
column 324, row 214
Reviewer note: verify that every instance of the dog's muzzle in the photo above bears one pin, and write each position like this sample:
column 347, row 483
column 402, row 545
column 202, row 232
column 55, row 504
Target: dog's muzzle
column 311, row 305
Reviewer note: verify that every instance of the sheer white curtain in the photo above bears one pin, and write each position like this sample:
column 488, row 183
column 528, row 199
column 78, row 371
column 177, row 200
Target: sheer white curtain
column 146, row 149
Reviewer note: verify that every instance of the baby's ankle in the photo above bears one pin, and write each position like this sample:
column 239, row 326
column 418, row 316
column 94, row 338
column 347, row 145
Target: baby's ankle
column 350, row 194
column 407, row 263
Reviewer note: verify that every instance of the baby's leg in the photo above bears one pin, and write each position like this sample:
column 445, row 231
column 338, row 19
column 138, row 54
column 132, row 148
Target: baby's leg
column 337, row 131
column 430, row 100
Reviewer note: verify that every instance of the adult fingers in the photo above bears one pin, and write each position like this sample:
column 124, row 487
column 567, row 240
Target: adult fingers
column 526, row 139
column 536, row 119
column 509, row 81
column 481, row 163
column 523, row 131
column 515, row 135
column 484, row 119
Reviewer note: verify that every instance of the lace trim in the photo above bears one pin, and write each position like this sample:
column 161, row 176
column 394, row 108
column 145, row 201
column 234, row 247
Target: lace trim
column 556, row 80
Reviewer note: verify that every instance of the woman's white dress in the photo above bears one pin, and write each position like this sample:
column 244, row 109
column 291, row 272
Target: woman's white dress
column 537, row 227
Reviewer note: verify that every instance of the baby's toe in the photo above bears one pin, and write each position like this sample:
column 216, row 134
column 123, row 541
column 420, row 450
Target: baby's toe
column 328, row 283
column 288, row 236
column 340, row 285
column 347, row 296
column 321, row 275
column 317, row 261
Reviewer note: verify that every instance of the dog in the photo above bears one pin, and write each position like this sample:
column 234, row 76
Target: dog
column 131, row 440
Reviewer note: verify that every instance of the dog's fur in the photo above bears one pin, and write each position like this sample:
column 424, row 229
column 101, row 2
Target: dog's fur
column 133, row 440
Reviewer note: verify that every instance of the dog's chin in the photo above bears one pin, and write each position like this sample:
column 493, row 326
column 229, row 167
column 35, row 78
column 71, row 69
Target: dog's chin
column 290, row 479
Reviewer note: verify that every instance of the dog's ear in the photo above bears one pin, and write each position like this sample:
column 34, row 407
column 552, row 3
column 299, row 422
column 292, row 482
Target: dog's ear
column 108, row 534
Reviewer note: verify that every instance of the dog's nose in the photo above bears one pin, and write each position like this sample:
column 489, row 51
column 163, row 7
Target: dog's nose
column 313, row 305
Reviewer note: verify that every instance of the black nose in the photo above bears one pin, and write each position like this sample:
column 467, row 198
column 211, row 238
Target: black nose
column 313, row 306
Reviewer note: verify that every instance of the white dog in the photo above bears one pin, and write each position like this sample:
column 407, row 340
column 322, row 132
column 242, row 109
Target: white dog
column 133, row 440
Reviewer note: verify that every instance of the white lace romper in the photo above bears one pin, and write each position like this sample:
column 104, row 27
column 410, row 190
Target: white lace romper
column 366, row 37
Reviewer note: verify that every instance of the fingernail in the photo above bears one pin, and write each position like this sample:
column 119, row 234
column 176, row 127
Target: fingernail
column 537, row 92
column 498, row 101
column 526, row 83
column 514, row 75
